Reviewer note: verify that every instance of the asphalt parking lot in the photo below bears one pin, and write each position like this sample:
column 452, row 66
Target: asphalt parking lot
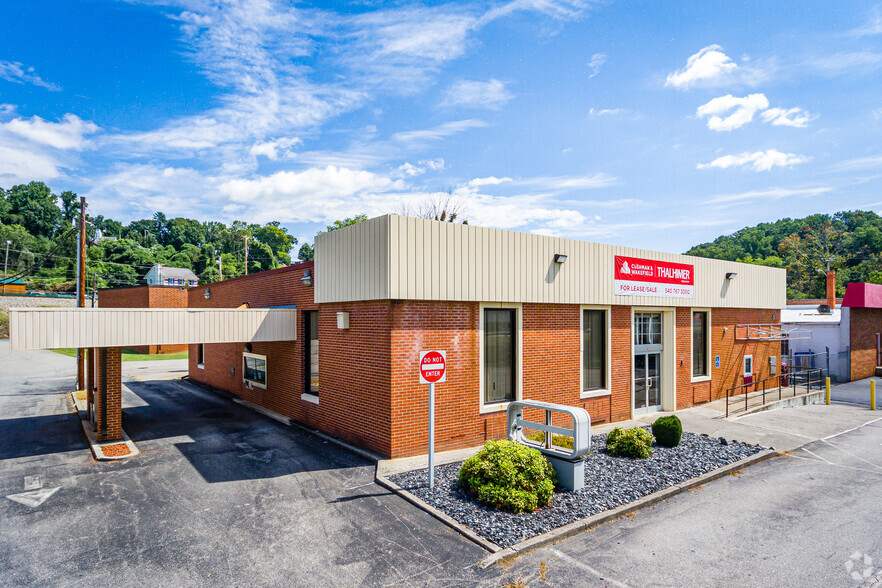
column 223, row 496
column 220, row 495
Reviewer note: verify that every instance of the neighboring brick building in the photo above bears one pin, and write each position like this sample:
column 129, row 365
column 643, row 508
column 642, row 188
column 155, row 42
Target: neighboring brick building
column 617, row 331
column 146, row 297
column 864, row 302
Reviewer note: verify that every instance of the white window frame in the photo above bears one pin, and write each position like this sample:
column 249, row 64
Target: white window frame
column 519, row 370
column 255, row 356
column 710, row 356
column 744, row 371
column 607, row 389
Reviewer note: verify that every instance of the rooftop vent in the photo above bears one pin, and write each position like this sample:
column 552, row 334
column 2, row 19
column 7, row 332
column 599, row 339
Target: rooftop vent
column 824, row 309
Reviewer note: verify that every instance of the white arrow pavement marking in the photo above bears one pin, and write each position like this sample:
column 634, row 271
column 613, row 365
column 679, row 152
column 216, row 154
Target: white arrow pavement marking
column 34, row 498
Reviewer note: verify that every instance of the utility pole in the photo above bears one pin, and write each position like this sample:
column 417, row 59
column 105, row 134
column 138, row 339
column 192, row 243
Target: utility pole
column 220, row 268
column 81, row 291
column 246, row 253
column 6, row 262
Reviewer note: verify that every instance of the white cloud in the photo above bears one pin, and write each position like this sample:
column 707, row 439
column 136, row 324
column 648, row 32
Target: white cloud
column 839, row 63
column 742, row 111
column 70, row 133
column 597, row 61
column 19, row 164
column 422, row 166
column 311, row 195
column 473, row 94
column 769, row 194
column 444, row 130
column 604, row 111
column 488, row 181
column 709, row 66
column 12, row 71
column 133, row 190
column 872, row 27
column 276, row 148
column 758, row 161
column 789, row 117
column 566, row 183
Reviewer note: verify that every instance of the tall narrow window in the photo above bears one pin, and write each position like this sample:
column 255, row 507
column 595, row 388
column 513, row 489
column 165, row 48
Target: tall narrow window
column 593, row 349
column 699, row 344
column 200, row 355
column 311, row 385
column 500, row 363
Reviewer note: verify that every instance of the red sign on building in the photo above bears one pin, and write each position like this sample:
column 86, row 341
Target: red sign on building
column 433, row 367
column 650, row 277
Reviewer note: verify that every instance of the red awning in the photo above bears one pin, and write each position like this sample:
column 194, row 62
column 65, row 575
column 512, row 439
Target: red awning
column 863, row 295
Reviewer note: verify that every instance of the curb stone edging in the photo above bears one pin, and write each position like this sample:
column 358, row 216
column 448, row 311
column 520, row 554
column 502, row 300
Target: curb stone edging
column 447, row 520
column 576, row 527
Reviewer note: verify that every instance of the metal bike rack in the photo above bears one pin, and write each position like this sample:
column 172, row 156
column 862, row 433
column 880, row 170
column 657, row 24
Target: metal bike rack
column 568, row 463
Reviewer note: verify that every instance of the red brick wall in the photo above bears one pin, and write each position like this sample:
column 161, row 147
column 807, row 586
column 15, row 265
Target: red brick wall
column 551, row 365
column 146, row 297
column 864, row 323
column 113, row 394
column 370, row 393
column 354, row 364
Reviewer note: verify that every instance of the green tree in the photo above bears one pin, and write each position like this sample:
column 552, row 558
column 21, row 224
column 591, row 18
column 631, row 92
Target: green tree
column 306, row 252
column 70, row 206
column 346, row 222
column 34, row 207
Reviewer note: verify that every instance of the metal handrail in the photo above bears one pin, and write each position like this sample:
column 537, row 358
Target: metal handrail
column 791, row 378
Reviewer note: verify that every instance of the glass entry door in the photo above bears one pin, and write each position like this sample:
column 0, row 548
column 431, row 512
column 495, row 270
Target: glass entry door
column 647, row 382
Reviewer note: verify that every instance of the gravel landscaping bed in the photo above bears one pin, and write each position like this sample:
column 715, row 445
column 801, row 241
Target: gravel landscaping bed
column 609, row 482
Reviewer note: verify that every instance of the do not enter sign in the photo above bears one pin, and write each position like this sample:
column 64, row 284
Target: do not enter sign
column 433, row 367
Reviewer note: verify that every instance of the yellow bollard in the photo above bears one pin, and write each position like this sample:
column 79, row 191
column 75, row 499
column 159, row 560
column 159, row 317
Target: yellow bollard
column 872, row 394
column 827, row 386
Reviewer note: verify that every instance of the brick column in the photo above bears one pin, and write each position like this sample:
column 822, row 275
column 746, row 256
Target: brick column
column 109, row 375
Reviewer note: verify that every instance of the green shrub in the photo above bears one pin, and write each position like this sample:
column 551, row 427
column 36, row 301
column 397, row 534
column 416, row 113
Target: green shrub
column 667, row 431
column 559, row 440
column 4, row 324
column 508, row 475
column 636, row 442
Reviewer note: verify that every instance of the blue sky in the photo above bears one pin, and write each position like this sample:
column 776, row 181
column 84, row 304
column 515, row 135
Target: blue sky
column 655, row 124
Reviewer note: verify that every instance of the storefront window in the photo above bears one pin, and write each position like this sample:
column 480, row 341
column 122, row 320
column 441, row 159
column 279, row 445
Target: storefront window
column 500, row 376
column 593, row 349
column 699, row 344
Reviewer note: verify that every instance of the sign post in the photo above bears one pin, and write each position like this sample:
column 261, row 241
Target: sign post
column 433, row 369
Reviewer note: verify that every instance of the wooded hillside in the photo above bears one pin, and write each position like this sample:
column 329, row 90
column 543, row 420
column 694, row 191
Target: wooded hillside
column 850, row 241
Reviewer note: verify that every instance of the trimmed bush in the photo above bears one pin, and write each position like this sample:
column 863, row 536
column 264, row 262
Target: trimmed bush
column 508, row 475
column 667, row 431
column 636, row 442
column 559, row 440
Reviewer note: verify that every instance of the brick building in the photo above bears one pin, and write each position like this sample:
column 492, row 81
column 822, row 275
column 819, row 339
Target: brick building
column 618, row 331
column 146, row 297
column 864, row 302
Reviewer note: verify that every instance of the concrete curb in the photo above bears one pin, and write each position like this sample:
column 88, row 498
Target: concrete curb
column 450, row 522
column 576, row 527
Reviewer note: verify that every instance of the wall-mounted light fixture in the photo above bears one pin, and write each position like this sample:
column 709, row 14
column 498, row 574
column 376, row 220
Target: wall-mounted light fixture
column 207, row 293
column 343, row 320
column 306, row 280
column 731, row 275
column 560, row 258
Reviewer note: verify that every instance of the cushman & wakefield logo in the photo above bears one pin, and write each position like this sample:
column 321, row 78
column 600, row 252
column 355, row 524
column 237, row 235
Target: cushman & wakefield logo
column 649, row 277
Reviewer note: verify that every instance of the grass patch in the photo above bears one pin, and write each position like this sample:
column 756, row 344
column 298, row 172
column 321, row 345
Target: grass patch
column 559, row 440
column 129, row 355
column 4, row 324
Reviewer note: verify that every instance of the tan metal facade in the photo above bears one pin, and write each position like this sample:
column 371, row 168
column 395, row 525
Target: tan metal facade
column 396, row 257
column 58, row 328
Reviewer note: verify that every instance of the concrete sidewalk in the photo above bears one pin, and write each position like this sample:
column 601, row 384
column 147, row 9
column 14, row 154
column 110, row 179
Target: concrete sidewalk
column 784, row 429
